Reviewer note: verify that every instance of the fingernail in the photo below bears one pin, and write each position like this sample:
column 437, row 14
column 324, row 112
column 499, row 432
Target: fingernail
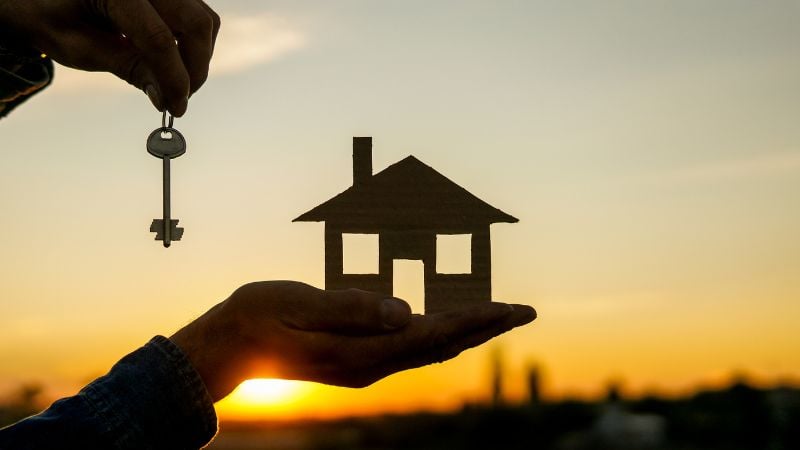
column 155, row 98
column 394, row 313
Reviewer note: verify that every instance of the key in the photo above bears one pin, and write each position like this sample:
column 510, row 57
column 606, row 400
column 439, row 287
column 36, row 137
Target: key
column 166, row 143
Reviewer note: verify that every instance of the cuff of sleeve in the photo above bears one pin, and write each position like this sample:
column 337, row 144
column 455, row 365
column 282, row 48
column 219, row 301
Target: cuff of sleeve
column 23, row 73
column 154, row 399
column 200, row 400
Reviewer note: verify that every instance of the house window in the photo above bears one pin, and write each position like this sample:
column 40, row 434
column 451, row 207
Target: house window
column 453, row 253
column 360, row 253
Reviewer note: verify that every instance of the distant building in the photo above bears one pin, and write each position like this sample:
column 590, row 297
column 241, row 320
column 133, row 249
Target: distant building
column 534, row 385
column 497, row 378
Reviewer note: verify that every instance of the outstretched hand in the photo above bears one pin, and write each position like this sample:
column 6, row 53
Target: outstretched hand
column 160, row 46
column 285, row 329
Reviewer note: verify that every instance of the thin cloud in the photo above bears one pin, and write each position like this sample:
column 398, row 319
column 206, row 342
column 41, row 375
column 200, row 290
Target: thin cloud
column 244, row 43
column 248, row 42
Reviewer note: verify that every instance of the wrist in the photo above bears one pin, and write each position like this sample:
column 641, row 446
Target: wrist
column 209, row 352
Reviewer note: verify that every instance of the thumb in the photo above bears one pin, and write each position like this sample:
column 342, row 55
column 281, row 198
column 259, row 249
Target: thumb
column 357, row 312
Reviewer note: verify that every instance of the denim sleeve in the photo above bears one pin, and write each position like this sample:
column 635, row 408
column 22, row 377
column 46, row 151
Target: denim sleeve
column 151, row 399
column 23, row 73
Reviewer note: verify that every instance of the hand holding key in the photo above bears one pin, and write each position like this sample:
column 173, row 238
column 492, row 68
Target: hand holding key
column 166, row 143
column 162, row 47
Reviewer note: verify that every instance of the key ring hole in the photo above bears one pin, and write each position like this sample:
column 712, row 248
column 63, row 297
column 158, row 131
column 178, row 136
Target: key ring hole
column 164, row 121
column 166, row 135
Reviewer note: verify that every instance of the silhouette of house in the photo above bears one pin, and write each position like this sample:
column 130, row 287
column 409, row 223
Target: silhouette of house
column 407, row 205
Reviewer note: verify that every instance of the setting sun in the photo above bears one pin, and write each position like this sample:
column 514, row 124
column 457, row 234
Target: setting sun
column 266, row 390
column 263, row 396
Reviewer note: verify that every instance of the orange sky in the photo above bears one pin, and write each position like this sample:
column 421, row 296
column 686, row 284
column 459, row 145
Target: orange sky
column 651, row 153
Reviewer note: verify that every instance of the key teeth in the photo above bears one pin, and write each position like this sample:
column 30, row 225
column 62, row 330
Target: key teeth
column 157, row 227
column 177, row 232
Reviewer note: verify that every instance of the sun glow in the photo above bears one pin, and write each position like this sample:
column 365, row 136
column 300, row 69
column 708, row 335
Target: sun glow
column 263, row 397
column 266, row 390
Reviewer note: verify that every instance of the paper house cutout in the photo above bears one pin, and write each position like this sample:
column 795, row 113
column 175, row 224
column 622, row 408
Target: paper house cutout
column 407, row 205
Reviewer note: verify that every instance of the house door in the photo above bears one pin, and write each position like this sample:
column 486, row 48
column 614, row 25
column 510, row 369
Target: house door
column 409, row 283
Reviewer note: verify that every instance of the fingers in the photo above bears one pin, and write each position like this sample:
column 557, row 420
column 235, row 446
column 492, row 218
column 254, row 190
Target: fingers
column 195, row 26
column 437, row 338
column 141, row 23
column 217, row 23
column 178, row 68
column 353, row 338
column 350, row 312
column 163, row 47
column 521, row 315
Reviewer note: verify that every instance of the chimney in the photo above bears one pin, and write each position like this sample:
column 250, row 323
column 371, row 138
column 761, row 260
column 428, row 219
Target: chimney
column 362, row 160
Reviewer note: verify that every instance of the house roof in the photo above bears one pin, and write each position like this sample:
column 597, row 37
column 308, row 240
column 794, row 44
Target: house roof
column 406, row 195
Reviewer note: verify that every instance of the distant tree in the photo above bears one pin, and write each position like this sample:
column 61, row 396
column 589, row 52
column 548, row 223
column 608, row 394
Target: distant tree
column 23, row 402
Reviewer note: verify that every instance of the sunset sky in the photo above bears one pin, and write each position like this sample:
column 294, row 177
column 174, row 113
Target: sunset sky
column 650, row 149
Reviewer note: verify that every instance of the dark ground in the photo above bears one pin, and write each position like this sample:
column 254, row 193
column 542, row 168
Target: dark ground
column 739, row 417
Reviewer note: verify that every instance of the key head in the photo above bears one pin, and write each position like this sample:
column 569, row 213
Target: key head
column 166, row 142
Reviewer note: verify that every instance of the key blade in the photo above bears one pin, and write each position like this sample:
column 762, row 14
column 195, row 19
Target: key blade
column 157, row 227
column 176, row 232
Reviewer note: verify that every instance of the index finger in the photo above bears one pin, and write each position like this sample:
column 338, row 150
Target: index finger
column 456, row 335
column 196, row 26
column 438, row 337
column 140, row 22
